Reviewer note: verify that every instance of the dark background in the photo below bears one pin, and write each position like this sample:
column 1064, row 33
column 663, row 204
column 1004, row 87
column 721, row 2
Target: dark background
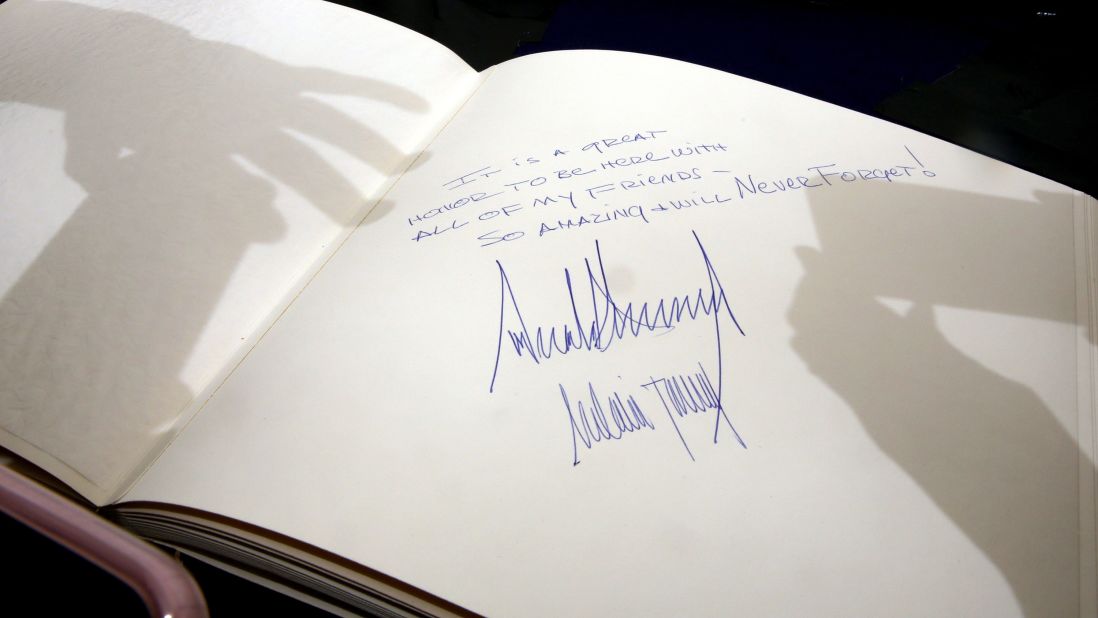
column 1015, row 84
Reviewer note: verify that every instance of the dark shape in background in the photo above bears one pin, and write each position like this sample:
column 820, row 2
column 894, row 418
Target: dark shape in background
column 1015, row 83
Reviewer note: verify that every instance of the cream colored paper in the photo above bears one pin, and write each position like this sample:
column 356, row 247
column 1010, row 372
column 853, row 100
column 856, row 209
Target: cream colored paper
column 168, row 171
column 904, row 393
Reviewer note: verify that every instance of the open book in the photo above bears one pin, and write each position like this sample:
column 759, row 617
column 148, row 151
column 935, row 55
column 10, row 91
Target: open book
column 588, row 333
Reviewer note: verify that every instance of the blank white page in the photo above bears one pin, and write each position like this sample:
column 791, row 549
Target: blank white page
column 641, row 338
column 168, row 171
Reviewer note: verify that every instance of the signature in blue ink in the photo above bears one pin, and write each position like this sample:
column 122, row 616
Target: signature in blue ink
column 685, row 395
column 607, row 320
column 603, row 419
column 594, row 425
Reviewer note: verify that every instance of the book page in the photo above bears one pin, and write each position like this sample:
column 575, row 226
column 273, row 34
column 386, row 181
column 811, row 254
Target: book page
column 642, row 338
column 168, row 171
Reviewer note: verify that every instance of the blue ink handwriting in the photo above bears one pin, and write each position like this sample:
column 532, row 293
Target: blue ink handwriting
column 684, row 395
column 593, row 426
column 635, row 211
column 603, row 144
column 609, row 320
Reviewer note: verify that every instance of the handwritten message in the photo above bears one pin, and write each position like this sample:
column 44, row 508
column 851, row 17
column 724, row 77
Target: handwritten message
column 638, row 178
column 613, row 181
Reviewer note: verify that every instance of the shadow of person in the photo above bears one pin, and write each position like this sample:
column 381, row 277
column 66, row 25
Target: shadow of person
column 181, row 145
column 986, row 449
